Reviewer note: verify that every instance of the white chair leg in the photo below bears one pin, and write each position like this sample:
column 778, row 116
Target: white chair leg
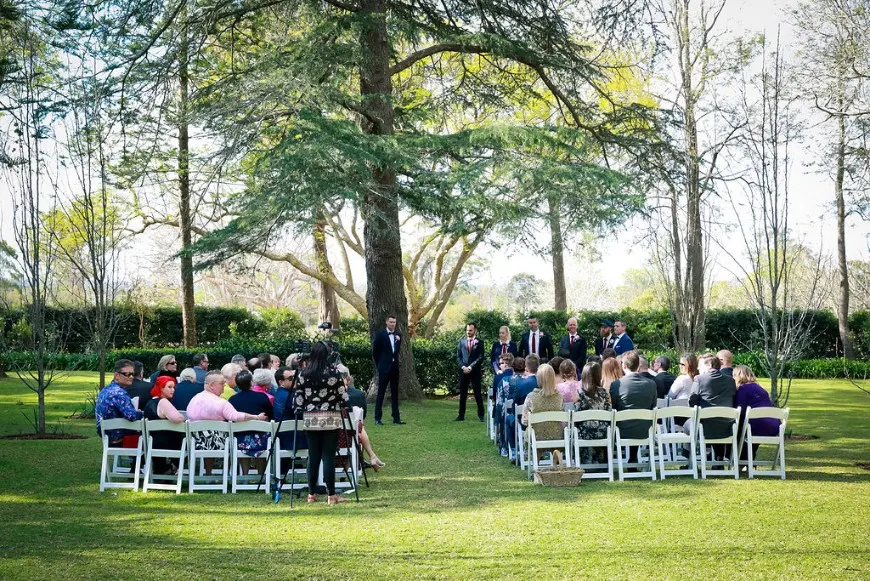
column 735, row 463
column 104, row 476
column 148, row 475
column 693, row 451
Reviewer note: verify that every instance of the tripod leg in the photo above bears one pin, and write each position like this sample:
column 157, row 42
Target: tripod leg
column 269, row 461
column 293, row 459
column 351, row 477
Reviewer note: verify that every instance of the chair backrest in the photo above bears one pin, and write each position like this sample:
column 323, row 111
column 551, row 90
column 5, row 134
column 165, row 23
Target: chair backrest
column 568, row 407
column 164, row 426
column 121, row 424
column 661, row 403
column 592, row 415
column 676, row 412
column 538, row 417
column 519, row 412
column 720, row 412
column 288, row 426
column 208, row 426
column 251, row 426
column 508, row 404
column 624, row 415
column 681, row 402
column 756, row 413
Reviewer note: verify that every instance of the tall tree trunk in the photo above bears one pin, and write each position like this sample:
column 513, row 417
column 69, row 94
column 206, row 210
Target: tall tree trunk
column 843, row 268
column 328, row 301
column 557, row 250
column 692, row 316
column 385, row 294
column 188, row 304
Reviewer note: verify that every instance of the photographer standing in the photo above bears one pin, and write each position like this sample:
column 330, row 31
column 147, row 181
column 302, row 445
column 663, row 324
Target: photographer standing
column 320, row 395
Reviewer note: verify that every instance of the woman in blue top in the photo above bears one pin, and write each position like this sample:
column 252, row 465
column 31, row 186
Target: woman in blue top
column 750, row 394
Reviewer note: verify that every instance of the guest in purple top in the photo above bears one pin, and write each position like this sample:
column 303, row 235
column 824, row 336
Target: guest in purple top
column 750, row 394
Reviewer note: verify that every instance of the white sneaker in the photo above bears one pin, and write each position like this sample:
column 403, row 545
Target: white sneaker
column 513, row 455
column 504, row 453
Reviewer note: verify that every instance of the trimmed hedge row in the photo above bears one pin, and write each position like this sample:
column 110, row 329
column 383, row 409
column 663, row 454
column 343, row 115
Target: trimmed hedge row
column 435, row 363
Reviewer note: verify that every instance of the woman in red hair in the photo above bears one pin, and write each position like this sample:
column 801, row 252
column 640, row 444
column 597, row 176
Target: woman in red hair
column 160, row 408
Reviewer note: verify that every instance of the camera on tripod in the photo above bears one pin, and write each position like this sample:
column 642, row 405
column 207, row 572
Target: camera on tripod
column 327, row 331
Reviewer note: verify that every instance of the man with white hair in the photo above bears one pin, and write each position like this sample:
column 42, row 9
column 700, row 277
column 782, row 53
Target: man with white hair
column 229, row 372
column 573, row 345
column 185, row 389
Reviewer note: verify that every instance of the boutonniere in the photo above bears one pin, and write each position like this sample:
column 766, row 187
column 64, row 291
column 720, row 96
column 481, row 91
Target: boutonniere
column 398, row 338
column 473, row 342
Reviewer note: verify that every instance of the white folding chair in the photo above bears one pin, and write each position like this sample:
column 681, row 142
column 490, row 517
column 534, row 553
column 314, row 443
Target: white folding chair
column 296, row 470
column 348, row 454
column 163, row 481
column 222, row 430
column 490, row 420
column 519, row 438
column 667, row 438
column 249, row 483
column 606, row 443
column 731, row 466
column 536, row 444
column 748, row 439
column 117, row 476
column 648, row 440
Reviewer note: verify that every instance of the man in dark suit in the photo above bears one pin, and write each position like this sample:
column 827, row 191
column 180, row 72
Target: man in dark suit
column 139, row 388
column 643, row 368
column 605, row 337
column 573, row 346
column 663, row 379
column 469, row 356
column 633, row 392
column 504, row 345
column 622, row 343
column 185, row 389
column 713, row 388
column 385, row 352
column 536, row 341
column 726, row 359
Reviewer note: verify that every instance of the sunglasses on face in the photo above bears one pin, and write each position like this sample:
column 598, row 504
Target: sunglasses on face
column 126, row 373
column 172, row 363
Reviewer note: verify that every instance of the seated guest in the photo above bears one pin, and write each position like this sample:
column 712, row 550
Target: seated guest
column 751, row 394
column 611, row 370
column 555, row 362
column 712, row 389
column 185, row 389
column 160, row 407
column 594, row 359
column 682, row 386
column 501, row 389
column 282, row 408
column 573, row 345
column 240, row 361
column 663, row 379
column 114, row 402
column 139, row 388
column 726, row 360
column 633, row 392
column 200, row 366
column 254, row 403
column 167, row 365
column 357, row 398
column 528, row 382
column 504, row 345
column 209, row 405
column 592, row 396
column 229, row 372
column 643, row 368
column 505, row 392
column 608, row 353
column 263, row 382
column 568, row 385
column 544, row 399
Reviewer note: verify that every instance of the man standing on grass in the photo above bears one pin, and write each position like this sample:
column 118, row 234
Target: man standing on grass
column 385, row 352
column 469, row 356
column 114, row 402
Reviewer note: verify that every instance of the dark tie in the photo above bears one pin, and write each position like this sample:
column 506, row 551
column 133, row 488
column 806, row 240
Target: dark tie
column 503, row 348
column 572, row 340
column 534, row 344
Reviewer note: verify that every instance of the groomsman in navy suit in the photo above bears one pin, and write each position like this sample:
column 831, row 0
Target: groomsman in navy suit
column 469, row 356
column 385, row 352
column 573, row 346
column 502, row 346
column 536, row 341
column 622, row 343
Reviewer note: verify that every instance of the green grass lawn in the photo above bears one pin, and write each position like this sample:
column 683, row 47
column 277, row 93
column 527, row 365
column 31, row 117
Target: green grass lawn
column 446, row 506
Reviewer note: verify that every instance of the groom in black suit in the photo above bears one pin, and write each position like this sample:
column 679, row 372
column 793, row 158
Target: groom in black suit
column 385, row 352
column 469, row 356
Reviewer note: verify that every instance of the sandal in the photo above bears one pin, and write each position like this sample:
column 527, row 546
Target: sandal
column 312, row 498
column 335, row 499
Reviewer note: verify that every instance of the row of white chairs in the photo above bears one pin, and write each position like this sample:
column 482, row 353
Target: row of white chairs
column 191, row 461
column 662, row 445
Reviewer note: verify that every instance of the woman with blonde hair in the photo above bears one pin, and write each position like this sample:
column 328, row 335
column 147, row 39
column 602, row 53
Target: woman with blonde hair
column 168, row 365
column 546, row 398
column 501, row 347
column 751, row 394
column 611, row 370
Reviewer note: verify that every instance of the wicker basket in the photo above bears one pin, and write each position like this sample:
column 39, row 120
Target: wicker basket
column 558, row 476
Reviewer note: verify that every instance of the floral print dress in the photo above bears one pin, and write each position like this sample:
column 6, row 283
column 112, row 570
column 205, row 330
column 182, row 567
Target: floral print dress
column 592, row 430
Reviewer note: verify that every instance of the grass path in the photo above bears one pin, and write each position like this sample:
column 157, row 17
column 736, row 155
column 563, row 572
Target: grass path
column 446, row 506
